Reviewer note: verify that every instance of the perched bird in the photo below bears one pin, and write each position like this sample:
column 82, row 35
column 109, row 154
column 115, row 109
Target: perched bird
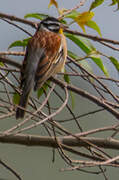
column 45, row 56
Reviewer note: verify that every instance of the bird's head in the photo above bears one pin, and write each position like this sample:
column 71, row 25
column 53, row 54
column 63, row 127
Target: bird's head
column 51, row 24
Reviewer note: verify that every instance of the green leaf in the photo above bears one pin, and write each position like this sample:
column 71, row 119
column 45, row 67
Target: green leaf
column 42, row 89
column 63, row 21
column 72, row 15
column 83, row 62
column 95, row 56
column 77, row 40
column 1, row 64
column 72, row 55
column 66, row 78
column 115, row 2
column 94, row 26
column 115, row 62
column 99, row 62
column 16, row 98
column 95, row 4
column 72, row 95
column 19, row 43
column 36, row 16
column 40, row 92
column 80, row 42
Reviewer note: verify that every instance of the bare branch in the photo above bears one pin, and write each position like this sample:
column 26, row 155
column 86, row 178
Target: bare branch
column 17, row 19
column 94, row 38
column 34, row 140
column 10, row 169
column 10, row 62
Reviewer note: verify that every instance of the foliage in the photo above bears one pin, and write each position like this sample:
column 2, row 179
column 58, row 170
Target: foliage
column 97, row 3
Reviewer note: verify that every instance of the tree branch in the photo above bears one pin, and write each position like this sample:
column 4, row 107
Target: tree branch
column 87, row 95
column 35, row 140
column 17, row 19
column 75, row 89
column 94, row 38
column 35, row 24
column 10, row 62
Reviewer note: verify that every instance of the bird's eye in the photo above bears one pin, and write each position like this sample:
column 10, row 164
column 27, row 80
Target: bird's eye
column 53, row 27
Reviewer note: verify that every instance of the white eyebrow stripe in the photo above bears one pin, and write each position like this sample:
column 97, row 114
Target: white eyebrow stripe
column 51, row 23
column 53, row 27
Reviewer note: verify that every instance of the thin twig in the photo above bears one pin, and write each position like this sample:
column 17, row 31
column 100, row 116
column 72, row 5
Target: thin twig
column 10, row 169
column 15, row 53
column 17, row 26
column 48, row 117
column 82, row 2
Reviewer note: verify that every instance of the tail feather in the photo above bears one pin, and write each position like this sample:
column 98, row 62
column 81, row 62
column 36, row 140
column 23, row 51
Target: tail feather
column 23, row 103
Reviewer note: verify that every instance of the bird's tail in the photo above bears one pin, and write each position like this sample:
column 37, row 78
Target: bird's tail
column 27, row 87
column 23, row 103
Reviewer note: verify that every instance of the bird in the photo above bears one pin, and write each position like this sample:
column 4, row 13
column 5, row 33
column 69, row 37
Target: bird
column 45, row 56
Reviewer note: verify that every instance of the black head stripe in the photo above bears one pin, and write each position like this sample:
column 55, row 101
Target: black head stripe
column 52, row 19
column 51, row 23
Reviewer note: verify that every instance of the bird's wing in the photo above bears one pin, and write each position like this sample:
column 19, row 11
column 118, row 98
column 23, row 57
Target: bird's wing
column 52, row 54
column 28, row 70
column 30, row 64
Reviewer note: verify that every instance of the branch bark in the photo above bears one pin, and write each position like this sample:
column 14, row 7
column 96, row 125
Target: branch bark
column 17, row 19
column 35, row 140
